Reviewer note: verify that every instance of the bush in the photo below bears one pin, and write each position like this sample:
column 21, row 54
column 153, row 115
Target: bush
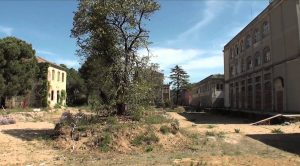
column 164, row 129
column 277, row 131
column 175, row 127
column 103, row 142
column 179, row 109
column 149, row 149
column 237, row 130
column 137, row 114
column 211, row 126
column 210, row 133
column 148, row 138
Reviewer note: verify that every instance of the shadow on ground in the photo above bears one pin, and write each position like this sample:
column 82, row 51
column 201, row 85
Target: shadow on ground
column 30, row 134
column 286, row 142
column 213, row 118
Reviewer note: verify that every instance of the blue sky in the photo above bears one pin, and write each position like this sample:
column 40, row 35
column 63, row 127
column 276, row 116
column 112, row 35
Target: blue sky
column 190, row 33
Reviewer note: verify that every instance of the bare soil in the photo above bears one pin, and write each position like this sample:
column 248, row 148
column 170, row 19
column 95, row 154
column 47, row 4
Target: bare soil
column 27, row 143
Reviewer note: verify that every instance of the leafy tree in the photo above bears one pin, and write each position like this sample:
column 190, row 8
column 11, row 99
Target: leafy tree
column 109, row 34
column 18, row 66
column 179, row 80
column 76, row 88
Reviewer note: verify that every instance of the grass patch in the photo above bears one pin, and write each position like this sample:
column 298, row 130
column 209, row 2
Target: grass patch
column 164, row 129
column 149, row 149
column 156, row 119
column 211, row 126
column 147, row 138
column 277, row 131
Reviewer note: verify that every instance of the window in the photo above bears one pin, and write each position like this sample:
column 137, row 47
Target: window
column 218, row 87
column 236, row 50
column 62, row 77
column 256, row 36
column 257, row 61
column 267, row 54
column 231, row 53
column 248, row 41
column 243, row 65
column 58, row 76
column 242, row 46
column 52, row 95
column 266, row 28
column 53, row 74
column 249, row 63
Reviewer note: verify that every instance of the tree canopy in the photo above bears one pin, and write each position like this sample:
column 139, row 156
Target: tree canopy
column 179, row 80
column 109, row 34
column 18, row 67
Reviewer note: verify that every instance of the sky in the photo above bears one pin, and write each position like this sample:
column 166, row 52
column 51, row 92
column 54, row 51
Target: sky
column 188, row 33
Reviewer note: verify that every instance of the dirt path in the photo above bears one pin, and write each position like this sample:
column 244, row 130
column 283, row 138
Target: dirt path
column 22, row 144
column 218, row 123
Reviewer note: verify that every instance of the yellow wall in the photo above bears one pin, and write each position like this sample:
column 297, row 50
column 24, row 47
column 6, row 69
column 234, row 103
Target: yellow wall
column 57, row 82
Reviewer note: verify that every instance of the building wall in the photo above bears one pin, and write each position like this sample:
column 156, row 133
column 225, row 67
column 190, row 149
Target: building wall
column 57, row 84
column 271, row 85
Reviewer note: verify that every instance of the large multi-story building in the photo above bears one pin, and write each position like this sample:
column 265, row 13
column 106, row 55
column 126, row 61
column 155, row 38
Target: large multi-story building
column 263, row 60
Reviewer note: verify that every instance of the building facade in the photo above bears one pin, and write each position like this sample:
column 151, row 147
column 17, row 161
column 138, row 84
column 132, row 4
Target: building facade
column 261, row 63
column 57, row 83
column 208, row 93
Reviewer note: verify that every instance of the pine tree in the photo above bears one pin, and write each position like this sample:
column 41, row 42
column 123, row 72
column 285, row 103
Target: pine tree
column 179, row 80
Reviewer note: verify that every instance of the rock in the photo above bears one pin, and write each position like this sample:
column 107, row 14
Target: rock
column 83, row 134
column 286, row 123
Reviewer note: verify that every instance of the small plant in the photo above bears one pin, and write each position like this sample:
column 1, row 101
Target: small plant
column 147, row 138
column 104, row 142
column 164, row 129
column 149, row 149
column 211, row 126
column 237, row 130
column 210, row 133
column 277, row 131
column 221, row 134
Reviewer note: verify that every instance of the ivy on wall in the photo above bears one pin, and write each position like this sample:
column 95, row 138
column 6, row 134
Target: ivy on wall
column 42, row 87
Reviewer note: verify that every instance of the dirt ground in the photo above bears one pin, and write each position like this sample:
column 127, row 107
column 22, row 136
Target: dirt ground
column 25, row 143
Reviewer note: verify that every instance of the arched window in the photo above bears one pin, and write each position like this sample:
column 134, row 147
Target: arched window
column 266, row 28
column 236, row 50
column 267, row 54
column 256, row 36
column 257, row 60
column 249, row 63
column 248, row 41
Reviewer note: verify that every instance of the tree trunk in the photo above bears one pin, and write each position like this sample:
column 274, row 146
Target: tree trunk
column 121, row 108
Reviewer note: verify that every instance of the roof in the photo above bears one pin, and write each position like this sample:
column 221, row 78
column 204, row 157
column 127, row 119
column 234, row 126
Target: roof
column 214, row 76
column 42, row 60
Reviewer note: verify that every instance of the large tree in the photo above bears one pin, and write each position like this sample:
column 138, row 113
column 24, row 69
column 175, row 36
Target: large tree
column 179, row 80
column 18, row 67
column 109, row 34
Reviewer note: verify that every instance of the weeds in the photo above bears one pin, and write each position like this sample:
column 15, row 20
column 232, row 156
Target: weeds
column 210, row 133
column 211, row 126
column 156, row 119
column 237, row 130
column 147, row 138
column 164, row 129
column 149, row 149
column 277, row 131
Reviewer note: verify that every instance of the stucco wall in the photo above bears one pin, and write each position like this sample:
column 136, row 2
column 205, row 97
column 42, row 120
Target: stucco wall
column 56, row 84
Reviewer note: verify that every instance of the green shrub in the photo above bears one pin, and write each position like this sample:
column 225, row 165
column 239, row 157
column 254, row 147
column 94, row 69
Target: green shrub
column 149, row 149
column 277, row 131
column 105, row 141
column 211, row 126
column 237, row 130
column 112, row 120
column 147, row 138
column 164, row 129
column 137, row 114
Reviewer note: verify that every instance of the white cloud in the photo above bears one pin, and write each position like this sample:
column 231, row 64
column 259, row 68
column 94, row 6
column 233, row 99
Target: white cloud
column 6, row 30
column 211, row 62
column 169, row 57
column 44, row 52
